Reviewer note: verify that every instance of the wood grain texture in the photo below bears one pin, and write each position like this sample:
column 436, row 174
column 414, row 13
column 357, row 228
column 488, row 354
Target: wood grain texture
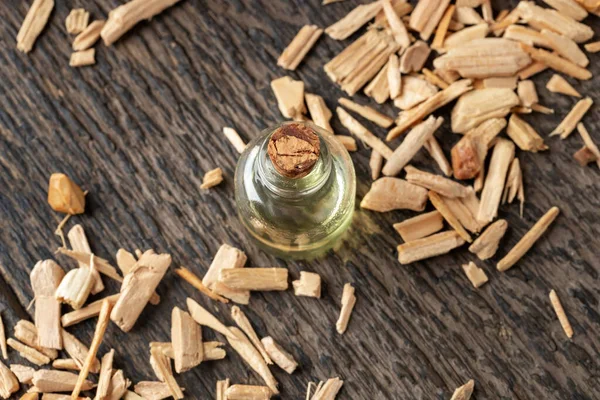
column 141, row 127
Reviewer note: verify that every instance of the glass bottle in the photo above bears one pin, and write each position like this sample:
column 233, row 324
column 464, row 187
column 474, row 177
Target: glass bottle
column 295, row 201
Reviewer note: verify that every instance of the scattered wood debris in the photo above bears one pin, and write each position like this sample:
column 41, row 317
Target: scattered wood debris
column 222, row 387
column 3, row 348
column 566, row 48
column 464, row 392
column 77, row 351
column 83, row 58
column 437, row 183
column 255, row 279
column 557, row 63
column 29, row 353
column 588, row 142
column 527, row 241
column 514, row 185
column 502, row 156
column 527, row 93
column 205, row 318
column 89, row 36
column 169, row 380
column 45, row 279
column 319, row 112
column 430, row 246
column 126, row 16
column 475, row 274
column 64, row 195
column 328, row 390
column 295, row 52
column 558, row 84
column 426, row 16
column 290, row 96
column 23, row 373
column 524, row 135
column 348, row 302
column 353, row 20
column 477, row 106
column 105, row 375
column 235, row 139
column 486, row 245
column 375, row 164
column 67, row 364
column 396, row 25
column 574, row 116
column 308, row 285
column 89, row 311
column 244, row 324
column 414, row 91
column 281, row 357
column 592, row 47
column 77, row 20
column 186, row 337
column 414, row 57
column 248, row 352
column 435, row 151
column 34, row 24
column 212, row 178
column 8, row 382
column 49, row 381
column 539, row 18
column 560, row 313
column 420, row 226
column 440, row 204
column 137, row 288
column 387, row 194
column 434, row 79
column 226, row 257
column 378, row 88
column 358, row 130
column 118, row 386
column 443, row 27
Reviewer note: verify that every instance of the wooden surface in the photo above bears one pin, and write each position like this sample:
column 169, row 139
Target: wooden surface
column 139, row 130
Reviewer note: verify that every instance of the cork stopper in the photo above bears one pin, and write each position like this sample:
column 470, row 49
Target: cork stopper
column 294, row 149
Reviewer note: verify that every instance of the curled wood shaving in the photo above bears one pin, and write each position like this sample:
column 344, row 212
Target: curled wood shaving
column 566, row 127
column 557, row 63
column 235, row 139
column 77, row 20
column 558, row 84
column 319, row 112
column 8, row 382
column 34, row 24
column 242, row 321
column 89, row 36
column 464, row 392
column 589, row 143
column 504, row 152
column 486, row 245
column 212, row 178
column 375, row 164
column 420, row 226
column 527, row 241
column 89, row 311
column 308, row 285
column 387, row 194
column 560, row 313
column 255, row 279
column 353, row 20
column 524, row 135
column 348, row 302
column 430, row 246
column 299, row 47
column 475, row 274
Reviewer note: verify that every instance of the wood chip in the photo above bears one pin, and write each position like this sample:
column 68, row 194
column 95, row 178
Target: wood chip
column 375, row 164
column 418, row 113
column 430, row 246
column 8, row 382
column 54, row 396
column 328, row 390
column 299, row 47
column 502, row 156
column 89, row 36
column 434, row 79
column 126, row 262
column 222, row 387
column 414, row 91
column 153, row 390
column 101, row 264
column 544, row 18
column 66, row 363
column 83, row 58
column 45, row 279
column 248, row 392
column 79, row 242
column 30, row 396
column 205, row 318
column 435, row 151
column 348, row 302
column 566, row 48
column 527, row 241
column 34, row 24
column 532, row 69
column 507, row 82
column 414, row 57
column 566, row 127
column 248, row 352
column 89, row 311
column 411, row 144
column 26, row 332
column 527, row 93
column 557, row 63
column 281, row 357
column 542, row 109
column 3, row 348
column 475, row 274
column 78, row 351
column 401, row 8
column 464, row 392
column 486, row 245
column 23, row 373
column 242, row 321
column 442, row 29
column 584, row 156
column 118, row 386
column 212, row 178
column 137, row 288
column 440, row 204
column 308, row 285
column 468, row 16
column 255, row 279
column 438, row 184
column 196, row 282
column 348, row 142
column 319, row 112
column 464, row 36
column 528, row 36
column 524, row 135
column 226, row 257
column 290, row 96
column 48, row 381
column 378, row 88
column 514, row 185
column 353, row 21
column 169, row 380
column 64, row 195
column 465, row 210
column 589, row 143
column 367, row 112
column 394, row 78
column 426, row 16
column 77, row 21
column 592, row 47
column 103, row 320
column 420, row 226
column 76, row 286
column 105, row 375
column 29, row 353
column 387, row 194
column 560, row 313
column 186, row 337
column 396, row 25
column 126, row 16
column 477, row 106
column 235, row 139
column 358, row 130
column 453, row 26
column 568, row 8
column 558, row 84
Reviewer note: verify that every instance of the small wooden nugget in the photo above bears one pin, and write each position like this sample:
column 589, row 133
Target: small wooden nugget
column 118, row 386
column 281, row 357
column 319, row 112
column 226, row 257
column 66, row 363
column 247, row 392
column 375, row 163
column 106, row 371
column 420, row 226
column 387, row 194
column 348, row 142
column 440, row 203
column 89, row 36
column 299, row 47
column 437, row 183
column 34, row 24
column 48, row 381
column 77, row 21
column 527, row 93
column 558, row 84
column 64, row 195
column 29, row 353
column 524, row 135
column 79, row 242
column 348, row 302
column 464, row 392
column 186, row 336
column 308, row 285
column 475, row 274
column 486, row 245
column 153, row 390
column 560, row 313
column 255, row 279
column 588, row 142
column 478, row 106
column 430, row 246
column 83, row 58
column 212, row 178
column 235, row 139
column 45, row 279
column 8, row 382
column 290, row 96
column 592, row 47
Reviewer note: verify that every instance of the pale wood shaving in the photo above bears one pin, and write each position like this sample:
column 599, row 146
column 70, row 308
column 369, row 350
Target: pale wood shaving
column 76, row 286
column 83, row 58
column 478, row 106
column 77, row 20
column 435, row 151
column 589, row 143
column 8, row 382
column 226, row 257
column 299, row 47
column 414, row 57
column 248, row 392
column 367, row 112
column 79, row 242
column 592, row 47
column 67, row 363
column 106, row 371
column 464, row 36
column 290, row 96
column 566, row 48
column 89, row 36
column 401, row 8
column 319, row 112
column 137, row 288
column 186, row 338
column 222, row 387
column 26, row 332
column 308, row 285
column 118, row 386
column 420, row 226
column 426, row 16
column 475, row 274
column 328, row 390
column 442, row 29
column 45, row 279
column 568, row 8
column 440, row 204
column 205, row 318
column 378, row 88
column 540, row 18
column 558, row 84
column 126, row 262
column 387, row 194
column 348, row 302
column 353, row 21
column 48, row 381
column 526, row 35
column 23, row 373
column 557, row 63
column 348, row 142
column 89, row 311
column 408, row 118
column 566, row 127
column 414, row 91
column 234, row 138
column 255, row 279
column 532, row 69
column 528, row 240
column 153, row 390
column 29, row 353
column 464, row 392
column 396, row 25
column 212, row 178
column 196, row 282
column 468, row 16
column 434, row 79
column 34, row 24
column 375, row 164
column 514, row 185
column 487, row 11
column 502, row 156
column 281, row 357
column 542, row 109
column 358, row 130
column 465, row 210
column 486, row 245
column 3, row 348
column 454, row 26
column 437, row 183
column 242, row 321
column 508, row 82
column 169, row 380
column 524, row 135
column 527, row 93
column 78, row 351
column 101, row 264
column 161, row 357
column 560, row 313
column 430, row 246
column 248, row 352
column 126, row 16
column 394, row 77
